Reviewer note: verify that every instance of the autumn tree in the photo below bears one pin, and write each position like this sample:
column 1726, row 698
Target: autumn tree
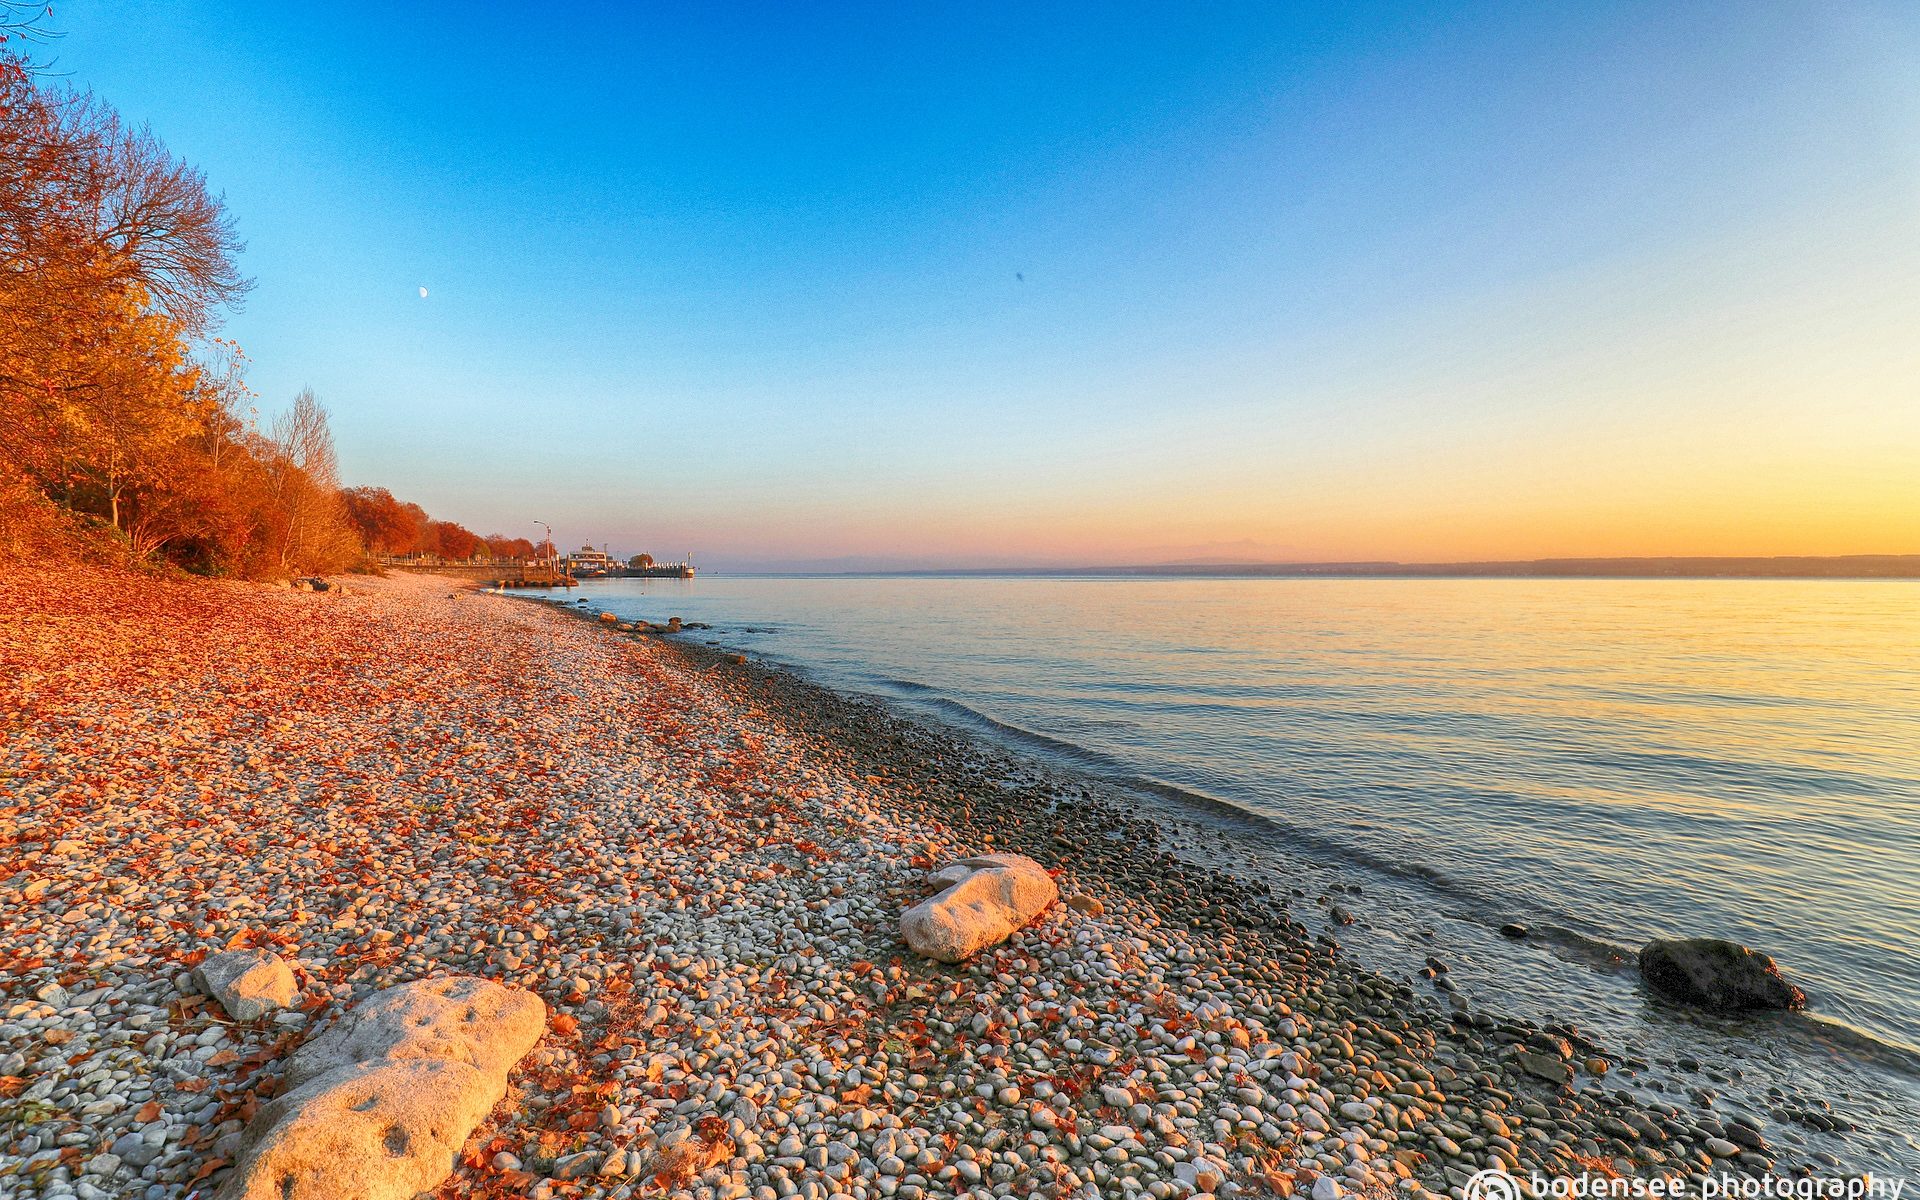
column 424, row 539
column 79, row 188
column 383, row 523
column 114, row 256
column 501, row 546
column 308, row 528
column 454, row 541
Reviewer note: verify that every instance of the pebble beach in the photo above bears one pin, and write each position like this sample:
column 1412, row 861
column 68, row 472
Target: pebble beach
column 699, row 864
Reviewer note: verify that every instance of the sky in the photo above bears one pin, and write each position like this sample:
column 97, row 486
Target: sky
column 913, row 285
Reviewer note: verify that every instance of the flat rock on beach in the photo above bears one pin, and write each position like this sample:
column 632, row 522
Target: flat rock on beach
column 981, row 902
column 694, row 871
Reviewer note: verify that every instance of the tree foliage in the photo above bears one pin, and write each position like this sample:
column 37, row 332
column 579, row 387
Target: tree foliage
column 384, row 525
column 388, row 528
column 80, row 188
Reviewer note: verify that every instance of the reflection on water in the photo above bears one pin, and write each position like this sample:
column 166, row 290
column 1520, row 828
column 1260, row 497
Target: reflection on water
column 1619, row 758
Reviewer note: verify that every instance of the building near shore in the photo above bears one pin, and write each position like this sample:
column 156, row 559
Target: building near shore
column 589, row 562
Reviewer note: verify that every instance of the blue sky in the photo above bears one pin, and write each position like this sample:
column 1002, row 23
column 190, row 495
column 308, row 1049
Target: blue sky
column 912, row 284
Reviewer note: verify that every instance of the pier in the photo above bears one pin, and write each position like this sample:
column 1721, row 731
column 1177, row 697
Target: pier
column 680, row 570
column 538, row 575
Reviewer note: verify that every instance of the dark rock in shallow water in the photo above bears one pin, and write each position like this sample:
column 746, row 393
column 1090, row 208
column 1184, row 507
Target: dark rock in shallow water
column 1546, row 1067
column 1747, row 1136
column 1715, row 974
column 1514, row 929
column 1547, row 1043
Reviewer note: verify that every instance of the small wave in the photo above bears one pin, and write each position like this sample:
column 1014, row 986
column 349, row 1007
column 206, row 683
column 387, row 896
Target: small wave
column 1852, row 1040
column 1056, row 748
column 1751, row 774
column 1598, row 953
column 1301, row 838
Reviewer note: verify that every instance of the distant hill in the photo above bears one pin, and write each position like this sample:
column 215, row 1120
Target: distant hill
column 1846, row 566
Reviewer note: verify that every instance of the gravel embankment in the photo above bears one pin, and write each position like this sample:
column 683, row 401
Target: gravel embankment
column 700, row 866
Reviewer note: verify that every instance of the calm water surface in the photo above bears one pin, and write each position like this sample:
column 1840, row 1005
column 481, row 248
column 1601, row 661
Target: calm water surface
column 1608, row 759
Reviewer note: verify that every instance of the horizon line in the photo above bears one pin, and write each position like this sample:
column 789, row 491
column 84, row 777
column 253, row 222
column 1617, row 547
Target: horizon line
column 1783, row 566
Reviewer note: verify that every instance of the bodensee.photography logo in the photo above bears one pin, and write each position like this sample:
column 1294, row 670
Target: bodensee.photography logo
column 1497, row 1184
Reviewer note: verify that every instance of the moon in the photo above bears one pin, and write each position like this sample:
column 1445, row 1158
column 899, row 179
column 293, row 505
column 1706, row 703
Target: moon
column 423, row 291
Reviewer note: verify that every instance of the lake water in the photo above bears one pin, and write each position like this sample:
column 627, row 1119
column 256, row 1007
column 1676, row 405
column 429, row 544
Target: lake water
column 1606, row 760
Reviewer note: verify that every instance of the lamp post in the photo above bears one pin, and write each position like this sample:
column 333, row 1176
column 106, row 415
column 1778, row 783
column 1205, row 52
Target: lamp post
column 553, row 567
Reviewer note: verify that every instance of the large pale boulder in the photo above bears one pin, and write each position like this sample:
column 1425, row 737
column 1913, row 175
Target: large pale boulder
column 383, row 1130
column 248, row 983
column 1716, row 974
column 981, row 903
column 462, row 1018
column 378, row 1105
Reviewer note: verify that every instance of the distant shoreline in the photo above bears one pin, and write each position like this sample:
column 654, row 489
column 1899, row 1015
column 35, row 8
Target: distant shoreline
column 1837, row 567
